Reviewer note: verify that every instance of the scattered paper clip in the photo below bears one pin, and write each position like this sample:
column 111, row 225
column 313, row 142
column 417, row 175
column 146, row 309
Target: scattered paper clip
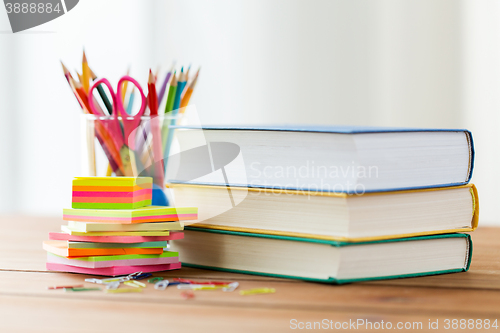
column 141, row 276
column 161, row 285
column 123, row 290
column 191, row 286
column 135, row 284
column 176, row 283
column 139, row 283
column 207, row 287
column 112, row 285
column 116, row 279
column 65, row 287
column 256, row 291
column 201, row 282
column 81, row 289
column 231, row 287
column 155, row 279
column 187, row 294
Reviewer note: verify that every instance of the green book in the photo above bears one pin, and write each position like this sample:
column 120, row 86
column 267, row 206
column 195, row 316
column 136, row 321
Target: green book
column 323, row 260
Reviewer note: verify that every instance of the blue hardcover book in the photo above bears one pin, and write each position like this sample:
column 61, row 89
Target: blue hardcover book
column 341, row 159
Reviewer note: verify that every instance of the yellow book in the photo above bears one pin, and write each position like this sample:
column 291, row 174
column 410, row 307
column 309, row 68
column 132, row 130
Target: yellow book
column 332, row 216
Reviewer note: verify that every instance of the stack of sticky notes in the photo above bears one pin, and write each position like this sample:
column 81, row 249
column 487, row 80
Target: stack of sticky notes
column 111, row 192
column 113, row 230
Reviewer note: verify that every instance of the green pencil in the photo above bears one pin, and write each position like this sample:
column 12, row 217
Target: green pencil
column 171, row 95
column 102, row 93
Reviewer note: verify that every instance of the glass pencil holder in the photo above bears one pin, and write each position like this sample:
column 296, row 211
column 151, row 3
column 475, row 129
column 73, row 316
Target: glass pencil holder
column 129, row 147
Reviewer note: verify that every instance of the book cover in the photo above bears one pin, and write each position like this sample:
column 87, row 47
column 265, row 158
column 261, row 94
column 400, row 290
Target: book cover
column 338, row 244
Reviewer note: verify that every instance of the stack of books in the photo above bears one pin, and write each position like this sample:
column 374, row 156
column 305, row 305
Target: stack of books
column 328, row 204
column 112, row 229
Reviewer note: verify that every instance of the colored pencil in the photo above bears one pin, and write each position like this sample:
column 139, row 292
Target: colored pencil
column 83, row 100
column 124, row 87
column 85, row 74
column 169, row 106
column 102, row 93
column 163, row 88
column 130, row 103
column 156, row 132
column 81, row 95
column 180, row 87
column 70, row 80
column 80, row 79
column 188, row 92
column 67, row 74
column 171, row 94
column 89, row 137
column 152, row 96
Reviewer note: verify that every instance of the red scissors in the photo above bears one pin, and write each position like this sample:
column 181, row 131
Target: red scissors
column 121, row 136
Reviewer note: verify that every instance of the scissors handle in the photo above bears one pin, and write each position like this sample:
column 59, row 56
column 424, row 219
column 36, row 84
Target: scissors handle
column 93, row 109
column 119, row 102
column 130, row 122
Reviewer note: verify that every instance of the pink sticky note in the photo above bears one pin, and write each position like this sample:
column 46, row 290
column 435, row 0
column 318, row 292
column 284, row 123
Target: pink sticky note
column 114, row 239
column 112, row 271
column 111, row 263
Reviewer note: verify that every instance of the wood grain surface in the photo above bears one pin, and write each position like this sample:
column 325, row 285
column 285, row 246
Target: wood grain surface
column 27, row 305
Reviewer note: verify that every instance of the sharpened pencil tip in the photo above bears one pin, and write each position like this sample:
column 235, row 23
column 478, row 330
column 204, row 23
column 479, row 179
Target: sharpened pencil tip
column 92, row 74
column 65, row 70
column 84, row 56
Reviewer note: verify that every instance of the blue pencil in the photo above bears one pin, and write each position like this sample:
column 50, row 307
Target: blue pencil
column 130, row 102
column 181, row 84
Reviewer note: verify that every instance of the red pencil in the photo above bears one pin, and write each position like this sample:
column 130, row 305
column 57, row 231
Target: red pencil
column 156, row 131
column 152, row 97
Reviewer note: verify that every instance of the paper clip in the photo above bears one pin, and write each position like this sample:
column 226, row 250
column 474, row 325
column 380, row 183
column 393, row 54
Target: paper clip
column 155, row 279
column 113, row 285
column 176, row 283
column 206, row 287
column 139, row 283
column 81, row 289
column 231, row 287
column 116, row 279
column 105, row 281
column 141, row 276
column 123, row 290
column 256, row 291
column 65, row 287
column 161, row 285
column 131, row 276
column 135, row 284
column 201, row 282
column 190, row 286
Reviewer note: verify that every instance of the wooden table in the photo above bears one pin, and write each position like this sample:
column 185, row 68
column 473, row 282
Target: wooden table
column 27, row 305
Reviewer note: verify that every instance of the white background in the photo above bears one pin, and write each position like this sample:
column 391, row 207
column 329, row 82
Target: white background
column 414, row 63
